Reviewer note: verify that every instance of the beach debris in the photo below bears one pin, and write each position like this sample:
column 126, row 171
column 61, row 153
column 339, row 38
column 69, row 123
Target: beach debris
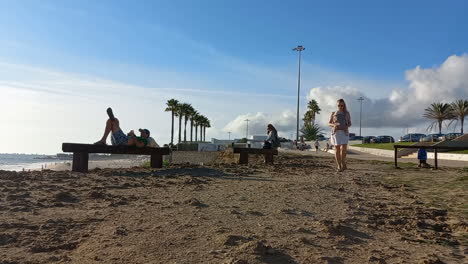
column 195, row 202
column 6, row 239
column 65, row 197
column 121, row 231
column 96, row 195
column 232, row 240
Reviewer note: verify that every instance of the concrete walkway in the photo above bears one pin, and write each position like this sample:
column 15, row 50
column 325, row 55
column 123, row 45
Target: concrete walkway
column 352, row 154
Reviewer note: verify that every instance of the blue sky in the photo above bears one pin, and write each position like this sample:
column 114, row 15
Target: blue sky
column 204, row 51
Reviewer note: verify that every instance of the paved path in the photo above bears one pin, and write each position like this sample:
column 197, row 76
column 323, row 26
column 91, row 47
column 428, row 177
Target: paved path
column 352, row 154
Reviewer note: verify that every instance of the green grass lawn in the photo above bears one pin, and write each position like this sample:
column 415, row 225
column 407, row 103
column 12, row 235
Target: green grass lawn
column 388, row 146
column 460, row 151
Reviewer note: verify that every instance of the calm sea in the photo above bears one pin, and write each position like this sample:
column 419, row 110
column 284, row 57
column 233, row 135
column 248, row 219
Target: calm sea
column 18, row 162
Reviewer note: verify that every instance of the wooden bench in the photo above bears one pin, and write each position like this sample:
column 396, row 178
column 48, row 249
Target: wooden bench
column 81, row 153
column 436, row 149
column 244, row 154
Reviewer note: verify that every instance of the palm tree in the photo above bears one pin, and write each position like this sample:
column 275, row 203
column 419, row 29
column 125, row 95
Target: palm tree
column 460, row 110
column 201, row 122
column 188, row 111
column 311, row 132
column 207, row 124
column 182, row 112
column 192, row 123
column 196, row 122
column 314, row 109
column 439, row 112
column 172, row 107
column 308, row 117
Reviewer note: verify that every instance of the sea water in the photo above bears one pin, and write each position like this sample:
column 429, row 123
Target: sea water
column 19, row 162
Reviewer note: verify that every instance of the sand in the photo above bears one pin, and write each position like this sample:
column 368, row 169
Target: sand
column 297, row 211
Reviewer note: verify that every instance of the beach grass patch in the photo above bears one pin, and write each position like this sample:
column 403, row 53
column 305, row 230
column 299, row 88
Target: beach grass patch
column 146, row 165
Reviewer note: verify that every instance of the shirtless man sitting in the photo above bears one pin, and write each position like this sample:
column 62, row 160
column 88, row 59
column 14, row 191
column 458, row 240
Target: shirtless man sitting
column 119, row 138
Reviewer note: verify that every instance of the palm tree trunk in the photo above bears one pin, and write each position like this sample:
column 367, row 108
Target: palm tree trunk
column 196, row 133
column 191, row 130
column 202, row 136
column 201, row 139
column 180, row 128
column 440, row 127
column 462, row 121
column 172, row 129
column 185, row 129
column 204, row 133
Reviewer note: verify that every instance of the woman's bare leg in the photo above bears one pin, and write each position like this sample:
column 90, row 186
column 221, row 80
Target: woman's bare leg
column 338, row 156
column 343, row 156
column 110, row 126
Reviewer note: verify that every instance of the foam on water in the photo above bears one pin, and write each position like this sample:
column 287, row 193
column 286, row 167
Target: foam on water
column 18, row 162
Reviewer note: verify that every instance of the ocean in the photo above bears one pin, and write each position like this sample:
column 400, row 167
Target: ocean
column 18, row 162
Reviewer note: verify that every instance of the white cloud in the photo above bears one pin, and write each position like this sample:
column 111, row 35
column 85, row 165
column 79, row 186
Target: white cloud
column 284, row 122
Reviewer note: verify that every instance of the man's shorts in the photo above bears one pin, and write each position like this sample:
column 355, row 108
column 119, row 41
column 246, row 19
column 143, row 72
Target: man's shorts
column 119, row 138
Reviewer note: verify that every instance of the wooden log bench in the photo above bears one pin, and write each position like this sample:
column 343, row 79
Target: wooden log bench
column 244, row 154
column 436, row 149
column 81, row 153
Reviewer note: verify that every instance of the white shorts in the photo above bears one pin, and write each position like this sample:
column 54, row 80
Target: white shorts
column 340, row 138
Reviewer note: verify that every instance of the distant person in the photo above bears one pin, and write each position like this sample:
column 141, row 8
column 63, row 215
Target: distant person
column 422, row 157
column 118, row 138
column 272, row 140
column 327, row 147
column 340, row 121
column 317, row 145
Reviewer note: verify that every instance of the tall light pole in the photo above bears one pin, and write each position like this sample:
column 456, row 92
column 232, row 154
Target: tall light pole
column 247, row 129
column 229, row 135
column 300, row 49
column 360, row 99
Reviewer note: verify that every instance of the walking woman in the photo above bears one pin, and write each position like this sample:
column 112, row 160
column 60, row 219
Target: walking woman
column 340, row 121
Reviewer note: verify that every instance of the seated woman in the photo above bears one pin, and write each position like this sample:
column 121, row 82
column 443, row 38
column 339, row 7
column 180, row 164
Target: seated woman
column 272, row 141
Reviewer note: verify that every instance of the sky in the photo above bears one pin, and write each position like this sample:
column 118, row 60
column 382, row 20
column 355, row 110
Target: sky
column 62, row 63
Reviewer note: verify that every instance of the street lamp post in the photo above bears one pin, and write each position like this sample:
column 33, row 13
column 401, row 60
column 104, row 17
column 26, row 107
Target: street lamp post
column 229, row 135
column 300, row 49
column 247, row 129
column 360, row 99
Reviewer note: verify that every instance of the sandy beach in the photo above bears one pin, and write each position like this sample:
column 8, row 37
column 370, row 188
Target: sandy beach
column 298, row 210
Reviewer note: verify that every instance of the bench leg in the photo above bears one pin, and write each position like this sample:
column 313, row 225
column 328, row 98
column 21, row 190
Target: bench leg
column 80, row 161
column 269, row 158
column 244, row 158
column 156, row 161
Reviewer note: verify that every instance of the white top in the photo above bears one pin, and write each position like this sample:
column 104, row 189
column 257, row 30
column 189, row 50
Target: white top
column 152, row 143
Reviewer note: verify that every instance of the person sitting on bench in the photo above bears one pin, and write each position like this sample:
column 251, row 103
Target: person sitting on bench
column 119, row 138
column 272, row 142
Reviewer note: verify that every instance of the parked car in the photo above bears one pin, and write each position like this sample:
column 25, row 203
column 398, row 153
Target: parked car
column 356, row 138
column 450, row 136
column 431, row 138
column 412, row 137
column 367, row 139
column 383, row 139
column 322, row 138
